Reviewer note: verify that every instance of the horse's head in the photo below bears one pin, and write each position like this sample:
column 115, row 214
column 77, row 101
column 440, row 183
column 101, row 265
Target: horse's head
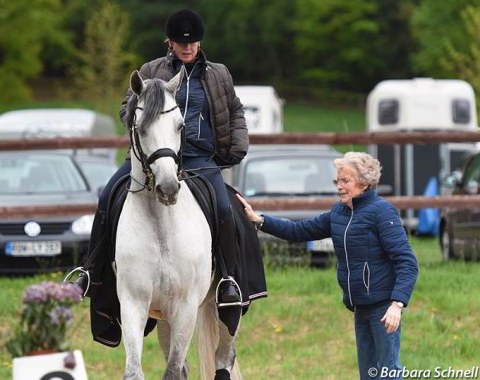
column 156, row 135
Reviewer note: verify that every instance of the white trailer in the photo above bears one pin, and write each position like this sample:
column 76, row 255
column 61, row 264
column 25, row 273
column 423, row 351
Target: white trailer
column 263, row 108
column 420, row 104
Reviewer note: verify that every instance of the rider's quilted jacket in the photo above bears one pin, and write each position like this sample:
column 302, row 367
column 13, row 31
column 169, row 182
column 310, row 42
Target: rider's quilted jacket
column 375, row 260
column 226, row 110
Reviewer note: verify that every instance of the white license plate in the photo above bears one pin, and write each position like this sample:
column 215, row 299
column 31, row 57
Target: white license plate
column 324, row 245
column 33, row 248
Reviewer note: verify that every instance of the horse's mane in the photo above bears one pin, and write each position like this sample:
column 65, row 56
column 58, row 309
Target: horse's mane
column 153, row 101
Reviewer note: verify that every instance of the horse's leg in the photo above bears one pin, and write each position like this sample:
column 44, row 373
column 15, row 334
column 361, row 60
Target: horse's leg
column 164, row 337
column 181, row 330
column 225, row 354
column 134, row 319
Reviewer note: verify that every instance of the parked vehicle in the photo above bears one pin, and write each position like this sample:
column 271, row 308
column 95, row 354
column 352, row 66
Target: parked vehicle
column 263, row 108
column 296, row 171
column 460, row 227
column 50, row 177
column 420, row 104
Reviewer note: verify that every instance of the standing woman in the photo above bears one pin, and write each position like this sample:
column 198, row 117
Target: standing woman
column 377, row 269
column 215, row 130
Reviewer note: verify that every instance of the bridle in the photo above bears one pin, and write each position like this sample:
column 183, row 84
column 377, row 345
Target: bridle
column 145, row 160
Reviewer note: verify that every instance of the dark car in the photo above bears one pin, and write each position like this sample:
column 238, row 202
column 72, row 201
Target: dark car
column 460, row 227
column 31, row 245
column 294, row 171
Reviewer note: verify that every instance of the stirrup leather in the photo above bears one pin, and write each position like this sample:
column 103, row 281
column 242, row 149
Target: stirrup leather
column 227, row 304
column 83, row 272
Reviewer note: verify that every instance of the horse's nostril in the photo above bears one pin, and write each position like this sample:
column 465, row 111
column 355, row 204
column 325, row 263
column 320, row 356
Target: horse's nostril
column 167, row 192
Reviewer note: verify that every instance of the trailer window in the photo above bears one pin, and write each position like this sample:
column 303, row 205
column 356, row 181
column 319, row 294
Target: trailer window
column 388, row 111
column 461, row 111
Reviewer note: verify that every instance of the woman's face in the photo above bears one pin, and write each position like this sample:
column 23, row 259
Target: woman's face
column 347, row 184
column 185, row 52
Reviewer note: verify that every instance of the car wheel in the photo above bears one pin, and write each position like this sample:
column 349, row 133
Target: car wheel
column 446, row 245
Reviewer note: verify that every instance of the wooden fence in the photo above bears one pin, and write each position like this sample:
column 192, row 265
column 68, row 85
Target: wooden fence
column 402, row 202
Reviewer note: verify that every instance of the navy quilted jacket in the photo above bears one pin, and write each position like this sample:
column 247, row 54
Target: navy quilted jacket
column 375, row 259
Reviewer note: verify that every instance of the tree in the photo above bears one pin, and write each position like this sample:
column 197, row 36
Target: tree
column 437, row 25
column 104, row 60
column 334, row 40
column 26, row 30
column 252, row 37
column 466, row 64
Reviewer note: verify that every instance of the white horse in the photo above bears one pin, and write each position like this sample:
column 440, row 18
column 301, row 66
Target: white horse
column 164, row 246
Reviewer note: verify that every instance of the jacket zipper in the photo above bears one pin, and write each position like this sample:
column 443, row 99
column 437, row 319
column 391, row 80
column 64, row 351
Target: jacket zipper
column 210, row 108
column 366, row 283
column 346, row 259
column 187, row 95
column 200, row 118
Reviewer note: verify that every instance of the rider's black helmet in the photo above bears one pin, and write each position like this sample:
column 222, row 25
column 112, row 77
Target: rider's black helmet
column 184, row 26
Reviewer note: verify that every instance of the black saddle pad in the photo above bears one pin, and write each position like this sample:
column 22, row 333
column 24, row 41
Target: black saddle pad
column 105, row 306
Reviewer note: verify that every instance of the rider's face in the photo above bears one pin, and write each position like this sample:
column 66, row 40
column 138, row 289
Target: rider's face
column 186, row 52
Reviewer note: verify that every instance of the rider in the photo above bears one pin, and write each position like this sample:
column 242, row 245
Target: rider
column 215, row 132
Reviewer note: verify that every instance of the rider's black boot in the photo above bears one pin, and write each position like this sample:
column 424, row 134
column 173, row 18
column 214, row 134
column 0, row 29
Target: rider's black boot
column 93, row 257
column 228, row 290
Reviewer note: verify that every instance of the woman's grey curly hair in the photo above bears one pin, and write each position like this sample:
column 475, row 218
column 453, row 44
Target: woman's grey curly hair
column 368, row 168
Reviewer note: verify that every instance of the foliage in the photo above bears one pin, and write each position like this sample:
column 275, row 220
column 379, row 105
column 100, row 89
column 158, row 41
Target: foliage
column 466, row 64
column 26, row 29
column 45, row 316
column 334, row 37
column 437, row 25
column 347, row 45
column 103, row 60
column 252, row 37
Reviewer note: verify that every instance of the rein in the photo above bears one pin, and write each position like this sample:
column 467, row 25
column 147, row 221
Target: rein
column 146, row 161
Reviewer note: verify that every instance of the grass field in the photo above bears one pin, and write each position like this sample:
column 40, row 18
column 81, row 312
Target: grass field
column 299, row 117
column 302, row 331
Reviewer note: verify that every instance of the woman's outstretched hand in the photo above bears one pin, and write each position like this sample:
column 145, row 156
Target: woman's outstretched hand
column 248, row 210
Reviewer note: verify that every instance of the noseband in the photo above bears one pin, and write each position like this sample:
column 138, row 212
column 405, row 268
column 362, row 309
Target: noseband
column 145, row 160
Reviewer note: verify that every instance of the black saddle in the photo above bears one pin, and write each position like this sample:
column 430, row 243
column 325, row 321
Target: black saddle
column 105, row 306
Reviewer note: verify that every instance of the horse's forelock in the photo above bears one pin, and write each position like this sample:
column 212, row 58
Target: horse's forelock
column 153, row 101
column 131, row 107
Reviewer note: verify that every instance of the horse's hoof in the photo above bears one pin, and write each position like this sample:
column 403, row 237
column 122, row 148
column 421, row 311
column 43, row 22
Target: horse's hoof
column 222, row 374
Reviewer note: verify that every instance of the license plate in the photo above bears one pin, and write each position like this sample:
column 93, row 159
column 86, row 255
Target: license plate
column 33, row 248
column 324, row 245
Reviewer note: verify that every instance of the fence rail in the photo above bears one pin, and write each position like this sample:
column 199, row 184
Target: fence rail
column 332, row 138
column 310, row 203
column 401, row 137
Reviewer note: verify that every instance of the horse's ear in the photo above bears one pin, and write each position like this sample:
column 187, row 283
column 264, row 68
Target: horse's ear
column 174, row 84
column 136, row 83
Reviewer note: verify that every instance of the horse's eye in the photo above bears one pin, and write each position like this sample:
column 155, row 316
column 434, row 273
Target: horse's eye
column 181, row 126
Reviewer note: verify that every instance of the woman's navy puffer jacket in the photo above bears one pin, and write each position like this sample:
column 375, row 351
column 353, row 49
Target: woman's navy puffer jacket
column 375, row 260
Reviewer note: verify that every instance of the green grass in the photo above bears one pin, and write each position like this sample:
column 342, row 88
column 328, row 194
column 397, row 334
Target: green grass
column 302, row 330
column 306, row 118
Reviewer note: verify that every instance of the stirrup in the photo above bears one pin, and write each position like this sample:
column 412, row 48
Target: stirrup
column 83, row 272
column 227, row 304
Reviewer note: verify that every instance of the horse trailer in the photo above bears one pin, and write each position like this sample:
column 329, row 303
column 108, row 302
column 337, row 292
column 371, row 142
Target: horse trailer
column 263, row 108
column 420, row 104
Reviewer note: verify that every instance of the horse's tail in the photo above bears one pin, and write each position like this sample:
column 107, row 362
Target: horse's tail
column 208, row 339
